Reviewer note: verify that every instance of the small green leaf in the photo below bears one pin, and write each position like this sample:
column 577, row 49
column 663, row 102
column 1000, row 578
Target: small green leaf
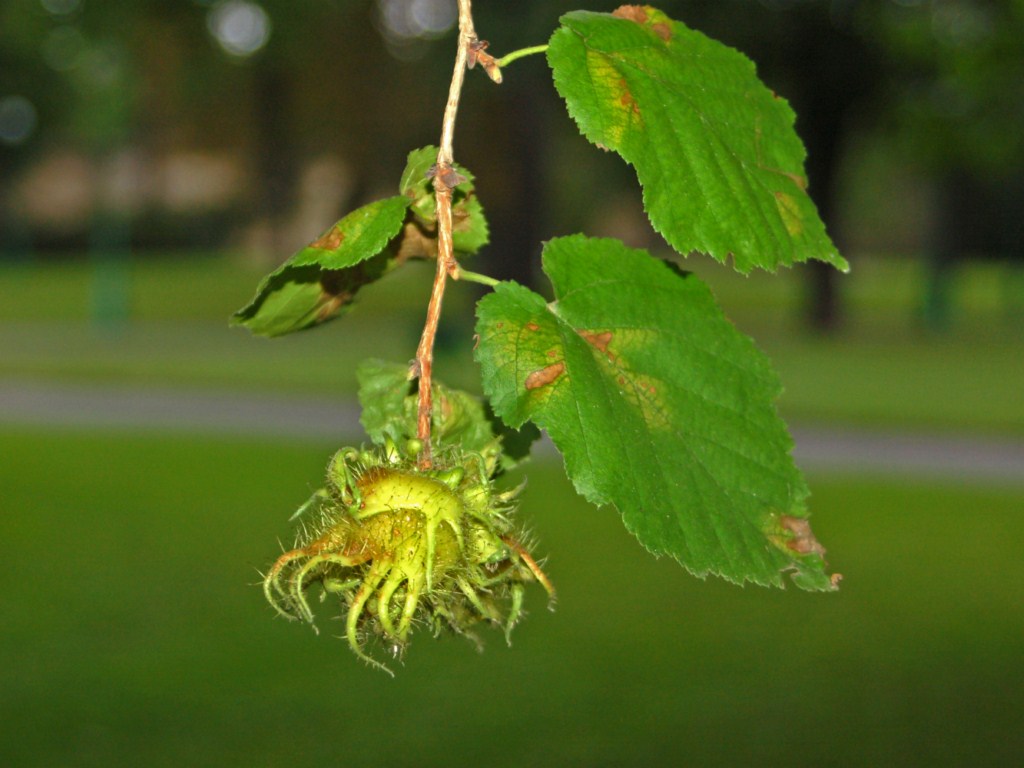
column 389, row 409
column 658, row 405
column 470, row 232
column 721, row 167
column 320, row 281
column 359, row 236
column 383, row 390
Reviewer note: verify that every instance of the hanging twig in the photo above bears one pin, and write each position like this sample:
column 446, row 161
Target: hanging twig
column 445, row 180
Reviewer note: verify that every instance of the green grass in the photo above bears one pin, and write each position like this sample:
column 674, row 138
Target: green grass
column 882, row 370
column 134, row 634
column 179, row 333
column 933, row 384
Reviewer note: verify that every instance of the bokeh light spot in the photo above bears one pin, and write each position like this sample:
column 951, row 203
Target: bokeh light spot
column 960, row 24
column 17, row 119
column 407, row 25
column 62, row 49
column 409, row 19
column 433, row 17
column 61, row 7
column 240, row 27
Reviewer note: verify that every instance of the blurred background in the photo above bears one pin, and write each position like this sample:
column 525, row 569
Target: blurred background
column 157, row 157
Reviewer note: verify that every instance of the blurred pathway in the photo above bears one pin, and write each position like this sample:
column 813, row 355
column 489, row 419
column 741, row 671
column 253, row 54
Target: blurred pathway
column 322, row 419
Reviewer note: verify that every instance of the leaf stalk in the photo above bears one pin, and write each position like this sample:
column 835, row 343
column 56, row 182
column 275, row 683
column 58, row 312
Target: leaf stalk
column 475, row 277
column 508, row 58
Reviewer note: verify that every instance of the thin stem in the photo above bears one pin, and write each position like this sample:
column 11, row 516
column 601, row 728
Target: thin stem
column 445, row 179
column 475, row 277
column 467, row 36
column 510, row 57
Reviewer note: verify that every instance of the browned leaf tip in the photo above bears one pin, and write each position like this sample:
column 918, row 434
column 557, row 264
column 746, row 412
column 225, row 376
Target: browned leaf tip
column 803, row 541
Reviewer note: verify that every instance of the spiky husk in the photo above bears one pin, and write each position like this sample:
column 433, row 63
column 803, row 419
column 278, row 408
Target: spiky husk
column 402, row 546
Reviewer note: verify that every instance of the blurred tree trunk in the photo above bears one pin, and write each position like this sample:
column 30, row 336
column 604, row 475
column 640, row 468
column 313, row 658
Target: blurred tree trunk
column 822, row 306
column 276, row 153
column 517, row 229
column 814, row 54
column 834, row 74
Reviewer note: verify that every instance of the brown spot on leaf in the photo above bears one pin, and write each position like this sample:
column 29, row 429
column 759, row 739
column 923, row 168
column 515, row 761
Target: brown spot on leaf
column 789, row 212
column 330, row 240
column 631, row 13
column 799, row 180
column 444, row 405
column 532, row 327
column 545, row 376
column 642, row 14
column 626, row 99
column 599, row 341
column 802, row 541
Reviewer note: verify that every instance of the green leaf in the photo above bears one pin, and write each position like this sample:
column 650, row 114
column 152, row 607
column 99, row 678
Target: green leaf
column 658, row 405
column 320, row 281
column 389, row 410
column 470, row 232
column 383, row 390
column 721, row 167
